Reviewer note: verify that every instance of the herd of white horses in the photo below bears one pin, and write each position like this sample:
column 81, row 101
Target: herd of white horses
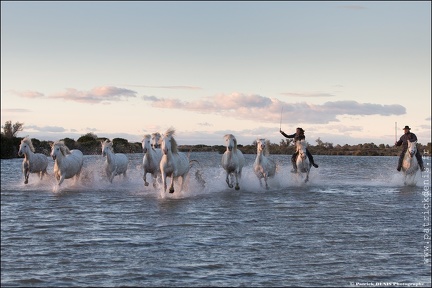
column 168, row 162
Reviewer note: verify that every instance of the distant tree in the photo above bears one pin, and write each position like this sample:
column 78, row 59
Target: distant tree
column 10, row 131
column 319, row 142
column 89, row 137
column 70, row 143
column 89, row 143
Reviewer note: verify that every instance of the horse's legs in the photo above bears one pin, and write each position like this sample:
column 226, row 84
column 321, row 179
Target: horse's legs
column 144, row 178
column 237, row 187
column 26, row 175
column 265, row 179
column 259, row 178
column 227, row 180
column 171, row 190
column 154, row 180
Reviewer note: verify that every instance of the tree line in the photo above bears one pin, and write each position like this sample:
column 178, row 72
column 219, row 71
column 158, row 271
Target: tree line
column 90, row 144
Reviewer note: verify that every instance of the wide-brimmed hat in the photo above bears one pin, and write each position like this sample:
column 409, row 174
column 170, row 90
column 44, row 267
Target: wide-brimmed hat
column 406, row 127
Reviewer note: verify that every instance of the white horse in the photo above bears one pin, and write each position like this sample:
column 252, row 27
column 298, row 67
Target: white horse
column 152, row 158
column 409, row 164
column 232, row 161
column 264, row 167
column 33, row 162
column 116, row 163
column 68, row 163
column 173, row 164
column 302, row 161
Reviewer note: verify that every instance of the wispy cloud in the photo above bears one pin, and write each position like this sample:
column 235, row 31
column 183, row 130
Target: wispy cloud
column 205, row 124
column 96, row 95
column 27, row 94
column 260, row 108
column 15, row 110
column 52, row 129
column 99, row 94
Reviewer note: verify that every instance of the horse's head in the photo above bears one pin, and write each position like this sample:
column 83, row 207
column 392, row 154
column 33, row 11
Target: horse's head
column 301, row 146
column 155, row 137
column 230, row 142
column 262, row 146
column 146, row 145
column 59, row 149
column 412, row 148
column 168, row 142
column 106, row 146
column 26, row 146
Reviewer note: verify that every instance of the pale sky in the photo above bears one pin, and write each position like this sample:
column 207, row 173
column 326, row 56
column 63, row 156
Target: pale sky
column 345, row 72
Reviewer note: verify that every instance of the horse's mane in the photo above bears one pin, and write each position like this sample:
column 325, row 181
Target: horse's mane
column 228, row 136
column 27, row 140
column 146, row 136
column 170, row 133
column 63, row 148
column 156, row 135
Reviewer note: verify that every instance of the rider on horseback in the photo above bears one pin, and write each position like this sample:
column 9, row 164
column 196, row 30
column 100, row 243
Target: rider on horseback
column 299, row 135
column 403, row 141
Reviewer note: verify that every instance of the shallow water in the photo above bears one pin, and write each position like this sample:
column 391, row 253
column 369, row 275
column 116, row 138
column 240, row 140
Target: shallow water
column 354, row 223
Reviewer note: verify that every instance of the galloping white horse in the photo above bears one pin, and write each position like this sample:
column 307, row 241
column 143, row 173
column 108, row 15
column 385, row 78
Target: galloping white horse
column 33, row 162
column 116, row 163
column 173, row 164
column 68, row 163
column 264, row 167
column 232, row 161
column 152, row 158
column 409, row 164
column 302, row 161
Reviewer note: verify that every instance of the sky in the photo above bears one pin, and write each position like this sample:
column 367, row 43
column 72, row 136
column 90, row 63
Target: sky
column 346, row 72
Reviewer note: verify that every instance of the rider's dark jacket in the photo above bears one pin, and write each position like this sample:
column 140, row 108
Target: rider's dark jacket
column 404, row 139
column 295, row 136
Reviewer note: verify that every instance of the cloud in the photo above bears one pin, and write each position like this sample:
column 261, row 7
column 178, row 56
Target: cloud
column 17, row 110
column 51, row 129
column 205, row 124
column 96, row 95
column 27, row 94
column 355, row 108
column 264, row 109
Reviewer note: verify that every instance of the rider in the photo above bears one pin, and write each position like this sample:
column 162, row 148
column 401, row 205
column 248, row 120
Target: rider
column 404, row 142
column 299, row 135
